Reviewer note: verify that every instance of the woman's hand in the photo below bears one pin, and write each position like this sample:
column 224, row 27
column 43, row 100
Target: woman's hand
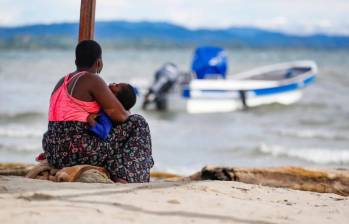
column 91, row 119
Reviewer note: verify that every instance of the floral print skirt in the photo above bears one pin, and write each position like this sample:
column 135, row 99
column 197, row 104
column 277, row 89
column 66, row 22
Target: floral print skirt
column 125, row 154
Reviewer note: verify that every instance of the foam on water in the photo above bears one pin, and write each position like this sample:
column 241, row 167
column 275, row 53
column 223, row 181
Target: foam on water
column 31, row 148
column 20, row 131
column 315, row 133
column 314, row 155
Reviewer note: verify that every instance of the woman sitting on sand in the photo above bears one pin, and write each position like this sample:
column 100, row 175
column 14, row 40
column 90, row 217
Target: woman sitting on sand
column 126, row 154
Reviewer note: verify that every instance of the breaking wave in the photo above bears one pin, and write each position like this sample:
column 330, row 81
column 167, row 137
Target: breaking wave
column 23, row 148
column 25, row 116
column 319, row 134
column 17, row 131
column 314, row 155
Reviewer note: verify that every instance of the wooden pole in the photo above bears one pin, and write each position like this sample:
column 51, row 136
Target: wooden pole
column 87, row 20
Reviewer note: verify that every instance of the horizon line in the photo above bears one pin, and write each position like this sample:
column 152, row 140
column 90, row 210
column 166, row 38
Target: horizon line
column 276, row 30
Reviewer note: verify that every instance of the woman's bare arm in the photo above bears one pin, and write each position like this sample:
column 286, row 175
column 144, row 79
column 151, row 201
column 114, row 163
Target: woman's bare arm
column 104, row 96
column 59, row 83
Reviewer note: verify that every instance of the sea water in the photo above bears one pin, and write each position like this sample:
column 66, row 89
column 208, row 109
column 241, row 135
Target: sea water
column 311, row 132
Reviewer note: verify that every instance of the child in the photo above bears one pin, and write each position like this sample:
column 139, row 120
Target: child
column 101, row 124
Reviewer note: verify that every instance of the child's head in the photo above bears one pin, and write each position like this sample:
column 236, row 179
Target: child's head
column 125, row 94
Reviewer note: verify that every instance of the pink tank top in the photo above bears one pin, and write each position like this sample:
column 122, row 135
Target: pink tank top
column 64, row 107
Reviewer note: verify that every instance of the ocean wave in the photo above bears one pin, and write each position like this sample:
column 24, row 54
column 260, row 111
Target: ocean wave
column 23, row 148
column 319, row 134
column 17, row 131
column 314, row 155
column 10, row 117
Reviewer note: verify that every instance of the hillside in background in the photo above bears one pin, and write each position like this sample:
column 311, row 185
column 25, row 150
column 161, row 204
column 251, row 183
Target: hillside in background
column 121, row 34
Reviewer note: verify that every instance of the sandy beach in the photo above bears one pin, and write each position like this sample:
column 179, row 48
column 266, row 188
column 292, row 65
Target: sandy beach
column 35, row 201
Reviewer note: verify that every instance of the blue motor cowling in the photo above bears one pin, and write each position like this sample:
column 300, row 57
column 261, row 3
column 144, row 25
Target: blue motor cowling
column 210, row 62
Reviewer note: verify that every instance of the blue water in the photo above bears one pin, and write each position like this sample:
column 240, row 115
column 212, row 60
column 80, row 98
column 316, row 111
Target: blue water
column 312, row 132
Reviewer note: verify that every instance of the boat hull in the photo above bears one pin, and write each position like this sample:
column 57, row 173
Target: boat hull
column 214, row 105
column 266, row 85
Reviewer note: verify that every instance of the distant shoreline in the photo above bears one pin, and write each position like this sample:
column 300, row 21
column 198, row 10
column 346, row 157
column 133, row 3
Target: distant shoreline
column 121, row 34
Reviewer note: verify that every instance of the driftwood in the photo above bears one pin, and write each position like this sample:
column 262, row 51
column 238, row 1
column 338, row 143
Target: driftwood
column 15, row 169
column 165, row 176
column 317, row 180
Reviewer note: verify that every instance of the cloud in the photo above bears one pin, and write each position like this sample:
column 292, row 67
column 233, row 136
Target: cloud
column 283, row 15
column 8, row 18
column 38, row 11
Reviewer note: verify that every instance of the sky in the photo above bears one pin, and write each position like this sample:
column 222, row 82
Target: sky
column 291, row 16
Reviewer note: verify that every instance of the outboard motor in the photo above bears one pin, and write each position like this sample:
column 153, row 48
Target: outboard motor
column 164, row 81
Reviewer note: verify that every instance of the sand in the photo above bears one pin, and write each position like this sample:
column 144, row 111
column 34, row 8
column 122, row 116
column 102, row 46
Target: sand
column 28, row 201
